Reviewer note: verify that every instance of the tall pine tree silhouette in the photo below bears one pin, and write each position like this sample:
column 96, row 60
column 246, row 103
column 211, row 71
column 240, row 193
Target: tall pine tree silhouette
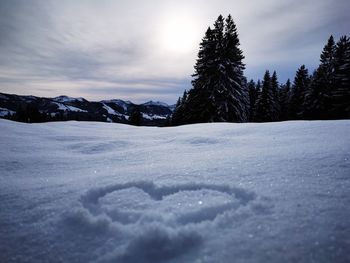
column 275, row 100
column 253, row 96
column 341, row 91
column 284, row 99
column 219, row 92
column 301, row 83
column 318, row 95
column 265, row 109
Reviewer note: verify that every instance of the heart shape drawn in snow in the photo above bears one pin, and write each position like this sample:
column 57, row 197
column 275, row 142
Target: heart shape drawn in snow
column 135, row 202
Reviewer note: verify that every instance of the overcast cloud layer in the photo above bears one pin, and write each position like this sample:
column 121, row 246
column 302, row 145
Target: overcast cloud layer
column 120, row 49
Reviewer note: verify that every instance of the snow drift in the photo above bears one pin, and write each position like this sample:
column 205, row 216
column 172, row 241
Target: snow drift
column 97, row 192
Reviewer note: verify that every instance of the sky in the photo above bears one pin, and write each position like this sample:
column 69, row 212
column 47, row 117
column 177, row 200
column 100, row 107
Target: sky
column 146, row 50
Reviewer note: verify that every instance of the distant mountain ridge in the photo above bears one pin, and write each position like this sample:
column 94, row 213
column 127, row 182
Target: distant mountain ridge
column 154, row 113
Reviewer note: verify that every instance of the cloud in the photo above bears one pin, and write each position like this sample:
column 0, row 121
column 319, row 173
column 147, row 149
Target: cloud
column 44, row 44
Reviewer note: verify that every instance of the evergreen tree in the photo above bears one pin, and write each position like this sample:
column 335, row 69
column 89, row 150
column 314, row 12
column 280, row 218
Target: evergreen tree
column 21, row 113
column 341, row 92
column 264, row 109
column 253, row 96
column 178, row 114
column 198, row 106
column 258, row 89
column 34, row 114
column 135, row 117
column 258, row 86
column 318, row 102
column 184, row 98
column 29, row 113
column 312, row 105
column 284, row 99
column 275, row 97
column 258, row 94
column 327, row 56
column 219, row 90
column 174, row 117
column 301, row 83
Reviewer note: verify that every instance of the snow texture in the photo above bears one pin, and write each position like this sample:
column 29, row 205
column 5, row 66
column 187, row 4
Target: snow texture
column 100, row 192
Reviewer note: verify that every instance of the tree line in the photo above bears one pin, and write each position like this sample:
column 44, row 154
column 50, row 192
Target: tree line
column 221, row 93
column 30, row 113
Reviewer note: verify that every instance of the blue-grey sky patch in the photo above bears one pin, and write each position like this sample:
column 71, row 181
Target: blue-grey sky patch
column 142, row 50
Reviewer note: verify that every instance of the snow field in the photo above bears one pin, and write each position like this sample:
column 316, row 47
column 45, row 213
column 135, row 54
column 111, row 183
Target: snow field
column 97, row 192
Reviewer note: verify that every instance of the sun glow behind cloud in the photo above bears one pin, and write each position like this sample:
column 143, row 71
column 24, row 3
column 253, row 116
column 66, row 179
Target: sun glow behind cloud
column 179, row 34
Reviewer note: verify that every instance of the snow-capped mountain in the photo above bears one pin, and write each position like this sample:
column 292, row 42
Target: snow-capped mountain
column 68, row 108
column 67, row 99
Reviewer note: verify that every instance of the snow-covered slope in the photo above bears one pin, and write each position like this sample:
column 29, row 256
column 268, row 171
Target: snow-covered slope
column 98, row 192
